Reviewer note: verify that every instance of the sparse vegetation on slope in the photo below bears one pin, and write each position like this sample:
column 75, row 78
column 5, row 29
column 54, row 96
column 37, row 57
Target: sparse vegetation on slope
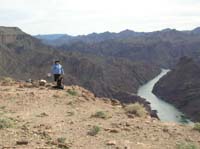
column 186, row 145
column 6, row 123
column 136, row 109
column 94, row 131
column 42, row 120
column 100, row 114
column 197, row 126
column 72, row 92
column 61, row 140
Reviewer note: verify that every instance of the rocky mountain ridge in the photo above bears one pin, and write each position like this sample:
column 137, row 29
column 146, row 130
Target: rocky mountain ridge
column 60, row 39
column 163, row 48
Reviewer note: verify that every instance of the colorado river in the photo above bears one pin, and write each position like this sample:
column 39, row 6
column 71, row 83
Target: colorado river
column 166, row 111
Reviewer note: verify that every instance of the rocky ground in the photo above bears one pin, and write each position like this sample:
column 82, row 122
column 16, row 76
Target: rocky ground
column 44, row 118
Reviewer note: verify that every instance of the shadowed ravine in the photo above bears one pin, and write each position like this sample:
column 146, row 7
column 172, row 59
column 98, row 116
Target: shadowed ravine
column 166, row 111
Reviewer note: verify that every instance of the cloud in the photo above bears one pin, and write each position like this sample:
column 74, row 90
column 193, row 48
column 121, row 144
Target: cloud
column 81, row 17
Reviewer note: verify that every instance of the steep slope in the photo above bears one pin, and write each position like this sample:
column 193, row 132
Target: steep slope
column 108, row 76
column 24, row 57
column 39, row 117
column 19, row 53
column 181, row 87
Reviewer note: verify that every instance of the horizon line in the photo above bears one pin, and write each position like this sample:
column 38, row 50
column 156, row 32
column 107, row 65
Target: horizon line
column 114, row 32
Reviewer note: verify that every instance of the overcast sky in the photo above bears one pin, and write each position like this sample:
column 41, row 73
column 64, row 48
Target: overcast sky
column 86, row 16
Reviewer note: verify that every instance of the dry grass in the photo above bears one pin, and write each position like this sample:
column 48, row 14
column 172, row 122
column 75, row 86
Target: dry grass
column 136, row 109
column 61, row 140
column 7, row 81
column 100, row 114
column 94, row 131
column 186, row 145
column 72, row 92
column 6, row 123
column 197, row 127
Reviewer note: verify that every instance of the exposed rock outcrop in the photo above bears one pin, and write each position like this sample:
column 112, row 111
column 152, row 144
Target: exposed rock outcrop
column 10, row 34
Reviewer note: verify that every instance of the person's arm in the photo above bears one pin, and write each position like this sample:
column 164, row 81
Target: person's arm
column 62, row 71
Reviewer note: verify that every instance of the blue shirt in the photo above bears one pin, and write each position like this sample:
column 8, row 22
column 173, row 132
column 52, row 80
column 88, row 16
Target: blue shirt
column 57, row 69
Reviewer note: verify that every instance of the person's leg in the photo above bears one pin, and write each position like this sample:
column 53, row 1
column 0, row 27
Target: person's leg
column 58, row 80
column 60, row 83
column 55, row 77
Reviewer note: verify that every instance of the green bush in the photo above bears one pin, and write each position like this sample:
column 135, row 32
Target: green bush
column 136, row 109
column 6, row 123
column 186, row 145
column 94, row 131
column 197, row 127
column 72, row 92
column 100, row 114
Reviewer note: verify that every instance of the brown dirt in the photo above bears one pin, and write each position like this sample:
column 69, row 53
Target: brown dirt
column 41, row 115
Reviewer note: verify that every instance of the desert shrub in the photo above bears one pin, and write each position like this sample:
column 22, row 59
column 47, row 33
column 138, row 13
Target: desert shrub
column 2, row 110
column 72, row 92
column 61, row 140
column 197, row 127
column 7, row 81
column 100, row 114
column 6, row 123
column 186, row 145
column 136, row 109
column 94, row 131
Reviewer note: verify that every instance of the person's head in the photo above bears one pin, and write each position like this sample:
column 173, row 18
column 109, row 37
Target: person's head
column 57, row 62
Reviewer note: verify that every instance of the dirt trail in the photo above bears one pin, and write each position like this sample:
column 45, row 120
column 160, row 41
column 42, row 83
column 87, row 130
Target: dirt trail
column 43, row 118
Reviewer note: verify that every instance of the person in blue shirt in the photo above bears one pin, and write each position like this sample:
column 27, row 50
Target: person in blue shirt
column 58, row 72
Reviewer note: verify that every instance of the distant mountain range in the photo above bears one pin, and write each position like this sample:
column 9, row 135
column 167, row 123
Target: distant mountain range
column 51, row 37
column 163, row 48
column 60, row 39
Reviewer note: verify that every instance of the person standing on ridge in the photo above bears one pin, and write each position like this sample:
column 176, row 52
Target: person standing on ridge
column 58, row 72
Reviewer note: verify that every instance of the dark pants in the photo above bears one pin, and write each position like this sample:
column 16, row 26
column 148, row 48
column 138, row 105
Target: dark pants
column 59, row 79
